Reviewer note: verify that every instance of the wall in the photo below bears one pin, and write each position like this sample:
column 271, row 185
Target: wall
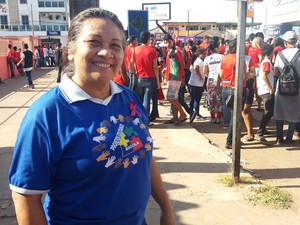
column 19, row 42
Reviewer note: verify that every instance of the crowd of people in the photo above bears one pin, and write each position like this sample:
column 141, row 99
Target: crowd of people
column 208, row 66
column 86, row 144
column 42, row 56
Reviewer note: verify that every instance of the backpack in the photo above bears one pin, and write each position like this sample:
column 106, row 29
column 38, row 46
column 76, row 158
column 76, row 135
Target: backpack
column 288, row 81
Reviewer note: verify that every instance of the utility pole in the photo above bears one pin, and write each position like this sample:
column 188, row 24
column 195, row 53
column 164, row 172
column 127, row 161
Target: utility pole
column 188, row 26
column 238, row 92
column 32, row 27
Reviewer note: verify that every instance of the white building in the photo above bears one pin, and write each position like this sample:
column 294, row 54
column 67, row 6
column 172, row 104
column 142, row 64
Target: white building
column 48, row 17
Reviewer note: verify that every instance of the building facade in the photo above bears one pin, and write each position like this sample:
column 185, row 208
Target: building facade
column 46, row 19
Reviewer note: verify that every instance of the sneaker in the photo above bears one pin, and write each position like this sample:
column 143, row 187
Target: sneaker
column 262, row 140
column 279, row 141
column 289, row 142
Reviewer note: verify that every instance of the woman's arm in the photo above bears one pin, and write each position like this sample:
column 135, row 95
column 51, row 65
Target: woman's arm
column 29, row 209
column 160, row 195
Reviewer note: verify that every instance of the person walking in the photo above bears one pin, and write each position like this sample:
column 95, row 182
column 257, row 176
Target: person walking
column 27, row 57
column 286, row 108
column 196, row 81
column 85, row 144
column 265, row 90
column 59, row 61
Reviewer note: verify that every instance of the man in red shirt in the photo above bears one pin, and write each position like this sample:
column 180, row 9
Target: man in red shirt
column 146, row 69
column 10, row 60
column 133, row 42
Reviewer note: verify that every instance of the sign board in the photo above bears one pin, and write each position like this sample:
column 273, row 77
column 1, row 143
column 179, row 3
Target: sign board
column 137, row 22
column 158, row 11
column 250, row 9
column 53, row 33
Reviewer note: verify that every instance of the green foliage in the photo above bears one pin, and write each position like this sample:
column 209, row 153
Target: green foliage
column 228, row 180
column 269, row 195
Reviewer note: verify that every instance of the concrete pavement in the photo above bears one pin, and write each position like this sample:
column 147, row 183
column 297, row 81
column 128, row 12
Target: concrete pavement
column 190, row 166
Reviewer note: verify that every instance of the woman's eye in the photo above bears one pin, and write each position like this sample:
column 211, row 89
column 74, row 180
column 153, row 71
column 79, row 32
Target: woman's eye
column 116, row 46
column 92, row 41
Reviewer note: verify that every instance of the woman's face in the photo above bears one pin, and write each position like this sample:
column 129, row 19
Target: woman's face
column 98, row 53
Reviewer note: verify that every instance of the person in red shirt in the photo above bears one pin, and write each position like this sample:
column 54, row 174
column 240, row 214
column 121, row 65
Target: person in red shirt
column 132, row 43
column 205, row 44
column 222, row 46
column 256, row 55
column 227, row 74
column 174, row 76
column 10, row 60
column 278, row 46
column 17, row 59
column 145, row 64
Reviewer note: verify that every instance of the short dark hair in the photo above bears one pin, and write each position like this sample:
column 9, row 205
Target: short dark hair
column 260, row 34
column 267, row 49
column 132, row 38
column 26, row 46
column 145, row 36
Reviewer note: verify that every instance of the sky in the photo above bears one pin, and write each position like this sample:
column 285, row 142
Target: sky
column 199, row 10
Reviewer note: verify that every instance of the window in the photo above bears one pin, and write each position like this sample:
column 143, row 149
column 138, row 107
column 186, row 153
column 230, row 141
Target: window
column 3, row 20
column 23, row 1
column 192, row 27
column 3, row 1
column 25, row 20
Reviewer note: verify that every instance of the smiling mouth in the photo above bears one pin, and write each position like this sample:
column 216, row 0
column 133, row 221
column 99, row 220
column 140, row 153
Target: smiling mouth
column 103, row 65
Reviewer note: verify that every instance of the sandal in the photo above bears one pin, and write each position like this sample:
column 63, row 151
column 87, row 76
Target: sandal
column 180, row 121
column 249, row 138
column 169, row 122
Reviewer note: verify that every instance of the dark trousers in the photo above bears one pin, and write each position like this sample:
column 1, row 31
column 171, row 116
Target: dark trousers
column 268, row 112
column 154, row 111
column 182, row 101
column 196, row 94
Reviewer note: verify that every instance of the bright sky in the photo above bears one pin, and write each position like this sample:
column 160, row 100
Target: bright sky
column 199, row 10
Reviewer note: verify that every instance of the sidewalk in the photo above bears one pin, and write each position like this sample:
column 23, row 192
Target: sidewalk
column 189, row 164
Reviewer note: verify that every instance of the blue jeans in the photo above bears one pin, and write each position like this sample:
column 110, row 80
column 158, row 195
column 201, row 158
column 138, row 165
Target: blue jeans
column 196, row 94
column 28, row 76
column 226, row 110
column 290, row 131
column 12, row 67
column 144, row 89
column 132, row 79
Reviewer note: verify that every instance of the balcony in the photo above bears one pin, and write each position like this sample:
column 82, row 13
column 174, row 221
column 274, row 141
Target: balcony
column 48, row 27
column 51, row 4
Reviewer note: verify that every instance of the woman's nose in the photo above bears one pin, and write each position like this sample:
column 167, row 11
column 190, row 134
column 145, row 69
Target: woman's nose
column 106, row 52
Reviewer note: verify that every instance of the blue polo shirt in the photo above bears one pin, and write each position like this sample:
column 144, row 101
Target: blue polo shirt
column 90, row 157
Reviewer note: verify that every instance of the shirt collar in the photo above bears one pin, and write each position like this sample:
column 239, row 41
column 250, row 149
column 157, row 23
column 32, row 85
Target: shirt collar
column 74, row 93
